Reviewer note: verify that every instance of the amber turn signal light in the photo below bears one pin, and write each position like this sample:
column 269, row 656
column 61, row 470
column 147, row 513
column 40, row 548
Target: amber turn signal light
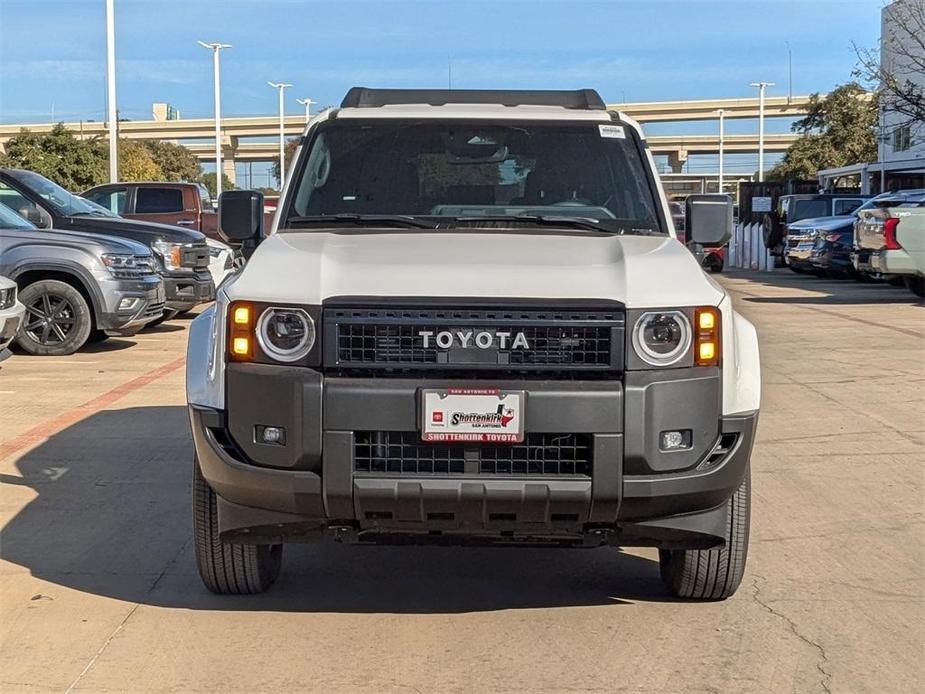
column 707, row 337
column 240, row 331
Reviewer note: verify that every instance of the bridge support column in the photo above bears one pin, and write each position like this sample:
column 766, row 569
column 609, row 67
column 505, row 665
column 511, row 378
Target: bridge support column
column 677, row 160
column 229, row 150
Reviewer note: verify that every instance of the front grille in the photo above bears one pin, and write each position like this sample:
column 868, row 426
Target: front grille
column 403, row 452
column 479, row 339
column 195, row 256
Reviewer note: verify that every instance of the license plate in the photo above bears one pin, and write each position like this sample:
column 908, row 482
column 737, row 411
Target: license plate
column 480, row 415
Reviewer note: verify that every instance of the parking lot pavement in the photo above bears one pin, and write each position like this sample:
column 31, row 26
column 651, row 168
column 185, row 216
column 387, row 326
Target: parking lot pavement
column 98, row 590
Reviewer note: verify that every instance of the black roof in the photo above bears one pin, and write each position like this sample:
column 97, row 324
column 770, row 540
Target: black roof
column 363, row 97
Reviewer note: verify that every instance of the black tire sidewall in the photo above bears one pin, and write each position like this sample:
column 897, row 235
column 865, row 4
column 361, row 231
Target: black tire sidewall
column 83, row 317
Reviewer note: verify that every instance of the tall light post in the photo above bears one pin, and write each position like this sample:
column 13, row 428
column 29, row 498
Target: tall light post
column 112, row 116
column 722, row 142
column 307, row 103
column 761, row 87
column 216, row 49
column 281, row 86
column 789, row 73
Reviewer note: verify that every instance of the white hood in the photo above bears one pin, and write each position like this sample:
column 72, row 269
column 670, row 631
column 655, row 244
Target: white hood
column 309, row 267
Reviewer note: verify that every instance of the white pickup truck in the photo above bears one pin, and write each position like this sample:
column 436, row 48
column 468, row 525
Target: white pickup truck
column 893, row 232
column 472, row 322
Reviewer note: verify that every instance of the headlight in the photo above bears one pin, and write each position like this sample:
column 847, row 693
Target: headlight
column 170, row 254
column 125, row 266
column 7, row 297
column 661, row 338
column 286, row 334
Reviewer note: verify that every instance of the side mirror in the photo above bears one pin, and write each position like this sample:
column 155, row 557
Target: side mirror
column 240, row 218
column 34, row 215
column 709, row 219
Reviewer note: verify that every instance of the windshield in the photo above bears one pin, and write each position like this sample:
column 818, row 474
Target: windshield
column 437, row 171
column 11, row 220
column 64, row 204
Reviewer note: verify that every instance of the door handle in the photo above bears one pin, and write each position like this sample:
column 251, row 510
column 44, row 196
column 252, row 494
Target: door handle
column 185, row 222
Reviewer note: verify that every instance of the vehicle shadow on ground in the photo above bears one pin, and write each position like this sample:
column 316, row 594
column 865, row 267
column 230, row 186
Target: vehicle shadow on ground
column 112, row 344
column 825, row 291
column 112, row 517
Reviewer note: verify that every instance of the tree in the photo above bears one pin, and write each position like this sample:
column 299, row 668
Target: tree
column 901, row 79
column 208, row 180
column 175, row 161
column 288, row 152
column 72, row 163
column 136, row 162
column 839, row 129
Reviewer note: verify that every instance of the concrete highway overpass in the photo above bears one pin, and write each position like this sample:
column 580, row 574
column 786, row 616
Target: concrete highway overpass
column 235, row 129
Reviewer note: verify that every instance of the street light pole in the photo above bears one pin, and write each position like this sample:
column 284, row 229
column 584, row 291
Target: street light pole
column 281, row 86
column 307, row 103
column 722, row 141
column 111, row 93
column 216, row 48
column 789, row 74
column 761, row 87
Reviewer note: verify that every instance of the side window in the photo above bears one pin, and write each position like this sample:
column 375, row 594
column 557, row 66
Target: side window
column 158, row 200
column 846, row 206
column 113, row 199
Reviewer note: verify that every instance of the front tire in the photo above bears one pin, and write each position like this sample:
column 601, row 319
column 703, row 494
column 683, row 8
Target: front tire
column 712, row 574
column 58, row 319
column 227, row 568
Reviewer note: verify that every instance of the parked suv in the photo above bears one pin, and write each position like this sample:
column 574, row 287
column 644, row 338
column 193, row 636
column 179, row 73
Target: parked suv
column 473, row 323
column 181, row 254
column 800, row 207
column 11, row 314
column 77, row 287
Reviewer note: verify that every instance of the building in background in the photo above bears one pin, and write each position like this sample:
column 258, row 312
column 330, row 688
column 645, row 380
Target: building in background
column 901, row 139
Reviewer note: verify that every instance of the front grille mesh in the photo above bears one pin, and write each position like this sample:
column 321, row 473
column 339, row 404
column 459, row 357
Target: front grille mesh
column 402, row 452
column 390, row 338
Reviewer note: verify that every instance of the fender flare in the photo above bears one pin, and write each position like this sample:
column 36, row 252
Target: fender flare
column 85, row 278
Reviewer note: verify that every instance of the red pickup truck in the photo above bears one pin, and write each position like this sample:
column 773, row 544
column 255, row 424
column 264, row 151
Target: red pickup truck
column 180, row 204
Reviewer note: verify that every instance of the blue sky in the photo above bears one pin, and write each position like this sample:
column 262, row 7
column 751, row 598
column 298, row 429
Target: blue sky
column 52, row 52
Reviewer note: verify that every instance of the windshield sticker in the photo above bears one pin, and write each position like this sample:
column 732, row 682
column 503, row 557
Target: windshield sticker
column 612, row 131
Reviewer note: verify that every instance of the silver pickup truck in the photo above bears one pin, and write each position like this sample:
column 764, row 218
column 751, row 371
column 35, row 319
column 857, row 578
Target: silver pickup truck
column 893, row 233
column 77, row 287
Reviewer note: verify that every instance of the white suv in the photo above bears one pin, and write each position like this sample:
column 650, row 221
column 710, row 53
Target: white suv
column 472, row 323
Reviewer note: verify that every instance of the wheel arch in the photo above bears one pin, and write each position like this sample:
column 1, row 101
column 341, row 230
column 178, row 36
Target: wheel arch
column 65, row 272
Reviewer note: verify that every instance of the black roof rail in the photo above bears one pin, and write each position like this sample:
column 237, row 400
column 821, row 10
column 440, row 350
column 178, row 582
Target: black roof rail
column 363, row 97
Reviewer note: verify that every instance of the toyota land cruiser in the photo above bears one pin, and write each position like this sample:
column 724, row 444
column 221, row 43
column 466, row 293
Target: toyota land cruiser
column 472, row 323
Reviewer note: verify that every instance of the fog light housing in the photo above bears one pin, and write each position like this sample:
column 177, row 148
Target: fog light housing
column 129, row 303
column 273, row 436
column 679, row 440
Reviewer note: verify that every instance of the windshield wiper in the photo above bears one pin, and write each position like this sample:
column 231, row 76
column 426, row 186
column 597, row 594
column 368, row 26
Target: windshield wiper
column 542, row 220
column 362, row 219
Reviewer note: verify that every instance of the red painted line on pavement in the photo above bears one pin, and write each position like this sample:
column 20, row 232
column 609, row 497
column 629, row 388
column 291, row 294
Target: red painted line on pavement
column 45, row 430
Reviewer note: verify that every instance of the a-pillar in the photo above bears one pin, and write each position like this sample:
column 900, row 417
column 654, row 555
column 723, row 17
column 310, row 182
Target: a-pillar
column 229, row 150
column 677, row 160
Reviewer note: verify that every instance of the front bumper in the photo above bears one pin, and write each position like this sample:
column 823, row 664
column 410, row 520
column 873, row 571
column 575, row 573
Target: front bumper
column 187, row 289
column 130, row 304
column 10, row 321
column 633, row 494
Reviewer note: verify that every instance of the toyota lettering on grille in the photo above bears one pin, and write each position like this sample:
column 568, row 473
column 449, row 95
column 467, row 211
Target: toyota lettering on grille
column 482, row 339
